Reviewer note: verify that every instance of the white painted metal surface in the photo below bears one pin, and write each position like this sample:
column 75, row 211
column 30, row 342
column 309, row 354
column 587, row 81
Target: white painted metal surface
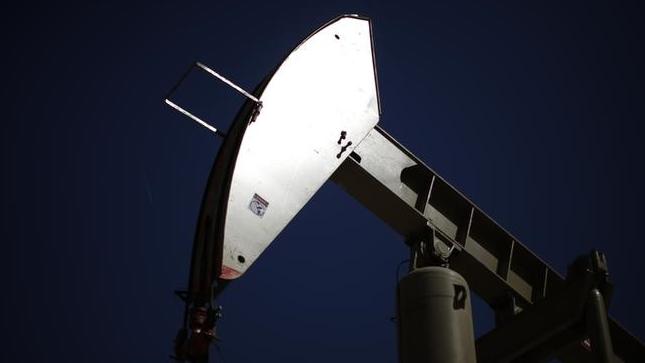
column 320, row 103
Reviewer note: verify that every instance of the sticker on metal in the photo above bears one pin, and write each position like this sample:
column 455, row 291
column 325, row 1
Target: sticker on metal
column 258, row 205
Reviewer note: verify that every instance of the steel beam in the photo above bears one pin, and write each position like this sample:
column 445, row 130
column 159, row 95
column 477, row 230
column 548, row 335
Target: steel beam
column 412, row 198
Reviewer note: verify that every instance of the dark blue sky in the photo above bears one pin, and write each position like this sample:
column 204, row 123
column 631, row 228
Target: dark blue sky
column 535, row 111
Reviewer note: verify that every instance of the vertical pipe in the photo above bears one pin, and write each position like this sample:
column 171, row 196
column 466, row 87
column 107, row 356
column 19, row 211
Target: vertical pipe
column 598, row 327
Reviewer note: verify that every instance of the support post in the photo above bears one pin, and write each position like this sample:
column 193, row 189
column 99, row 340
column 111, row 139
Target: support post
column 598, row 326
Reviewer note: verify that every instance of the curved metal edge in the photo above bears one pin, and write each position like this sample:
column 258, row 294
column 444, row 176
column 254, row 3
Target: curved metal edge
column 204, row 281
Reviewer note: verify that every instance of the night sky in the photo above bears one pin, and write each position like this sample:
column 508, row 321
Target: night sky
column 534, row 110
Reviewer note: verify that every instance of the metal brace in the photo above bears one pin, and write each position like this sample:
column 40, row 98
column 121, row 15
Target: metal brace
column 255, row 113
column 431, row 249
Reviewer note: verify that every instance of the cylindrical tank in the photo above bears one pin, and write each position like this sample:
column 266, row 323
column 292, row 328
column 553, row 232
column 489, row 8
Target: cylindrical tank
column 435, row 318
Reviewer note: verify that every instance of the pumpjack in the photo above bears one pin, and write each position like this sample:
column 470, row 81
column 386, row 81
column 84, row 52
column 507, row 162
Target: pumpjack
column 315, row 118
